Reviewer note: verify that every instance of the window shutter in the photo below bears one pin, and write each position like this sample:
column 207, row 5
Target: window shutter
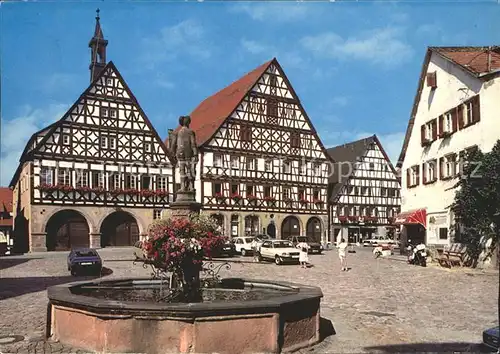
column 408, row 176
column 476, row 111
column 424, row 175
column 454, row 119
column 422, row 134
column 460, row 117
column 434, row 129
column 441, row 125
column 418, row 175
column 441, row 167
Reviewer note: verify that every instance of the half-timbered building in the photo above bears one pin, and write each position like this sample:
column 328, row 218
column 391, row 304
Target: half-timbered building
column 455, row 111
column 262, row 167
column 96, row 177
column 364, row 191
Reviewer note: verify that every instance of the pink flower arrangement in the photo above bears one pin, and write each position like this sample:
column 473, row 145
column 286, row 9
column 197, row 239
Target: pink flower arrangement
column 236, row 197
column 173, row 244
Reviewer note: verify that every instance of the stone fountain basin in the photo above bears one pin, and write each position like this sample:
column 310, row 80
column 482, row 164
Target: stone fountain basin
column 286, row 322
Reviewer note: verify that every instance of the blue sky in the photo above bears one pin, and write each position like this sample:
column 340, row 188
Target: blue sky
column 354, row 66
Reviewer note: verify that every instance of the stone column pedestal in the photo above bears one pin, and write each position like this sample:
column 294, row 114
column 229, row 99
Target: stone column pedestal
column 38, row 242
column 185, row 205
column 95, row 240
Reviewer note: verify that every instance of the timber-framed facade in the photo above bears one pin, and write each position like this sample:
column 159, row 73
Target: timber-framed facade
column 364, row 192
column 262, row 166
column 98, row 176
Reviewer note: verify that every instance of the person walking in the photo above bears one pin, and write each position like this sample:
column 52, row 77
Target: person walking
column 303, row 257
column 255, row 250
column 342, row 247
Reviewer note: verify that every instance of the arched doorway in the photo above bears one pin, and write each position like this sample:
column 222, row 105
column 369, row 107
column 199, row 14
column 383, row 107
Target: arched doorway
column 67, row 229
column 313, row 229
column 290, row 227
column 119, row 229
column 219, row 219
column 271, row 229
column 252, row 227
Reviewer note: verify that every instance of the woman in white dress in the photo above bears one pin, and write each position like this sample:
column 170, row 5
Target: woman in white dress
column 303, row 257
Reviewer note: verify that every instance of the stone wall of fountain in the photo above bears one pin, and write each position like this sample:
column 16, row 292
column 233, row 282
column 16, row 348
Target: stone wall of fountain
column 285, row 319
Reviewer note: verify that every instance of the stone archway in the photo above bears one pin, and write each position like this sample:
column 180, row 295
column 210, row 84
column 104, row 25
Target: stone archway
column 119, row 229
column 290, row 227
column 314, row 230
column 67, row 229
column 219, row 219
column 252, row 225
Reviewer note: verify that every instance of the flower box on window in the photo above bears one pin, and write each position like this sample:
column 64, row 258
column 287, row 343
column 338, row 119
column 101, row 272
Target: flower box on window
column 236, row 197
column 44, row 187
column 219, row 198
column 252, row 199
column 318, row 202
column 116, row 192
column 343, row 218
column 52, row 188
column 352, row 218
column 287, row 200
column 303, row 201
column 147, row 193
column 270, row 200
column 161, row 193
column 131, row 192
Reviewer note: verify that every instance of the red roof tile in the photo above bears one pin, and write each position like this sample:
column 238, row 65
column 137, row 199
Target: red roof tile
column 478, row 60
column 5, row 199
column 210, row 114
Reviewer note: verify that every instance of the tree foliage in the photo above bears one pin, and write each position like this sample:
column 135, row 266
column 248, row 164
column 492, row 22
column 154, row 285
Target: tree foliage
column 477, row 200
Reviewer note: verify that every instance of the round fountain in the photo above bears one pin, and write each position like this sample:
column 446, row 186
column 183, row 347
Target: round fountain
column 138, row 316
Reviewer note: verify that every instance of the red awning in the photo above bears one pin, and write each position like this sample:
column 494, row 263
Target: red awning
column 418, row 216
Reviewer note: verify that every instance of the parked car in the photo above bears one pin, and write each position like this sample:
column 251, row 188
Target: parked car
column 490, row 338
column 281, row 251
column 260, row 238
column 84, row 260
column 139, row 252
column 367, row 243
column 227, row 249
column 243, row 245
column 314, row 247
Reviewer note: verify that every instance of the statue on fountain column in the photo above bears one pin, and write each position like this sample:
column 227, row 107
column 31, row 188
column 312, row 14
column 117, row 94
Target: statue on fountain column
column 185, row 151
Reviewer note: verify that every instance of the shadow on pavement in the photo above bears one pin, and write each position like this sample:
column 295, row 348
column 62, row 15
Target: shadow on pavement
column 431, row 347
column 326, row 328
column 12, row 287
column 6, row 262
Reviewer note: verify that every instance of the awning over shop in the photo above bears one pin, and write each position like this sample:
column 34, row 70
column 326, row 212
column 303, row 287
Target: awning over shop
column 418, row 216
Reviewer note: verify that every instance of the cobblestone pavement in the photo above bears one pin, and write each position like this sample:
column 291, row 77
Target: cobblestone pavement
column 377, row 306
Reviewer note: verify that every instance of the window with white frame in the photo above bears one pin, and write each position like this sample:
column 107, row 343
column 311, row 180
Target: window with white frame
column 112, row 113
column 104, row 142
column 235, row 161
column 287, row 167
column 317, row 169
column 448, row 166
column 161, row 183
column 116, row 181
column 268, row 165
column 447, row 122
column 46, row 175
column 468, row 113
column 414, row 175
column 109, row 81
column 430, row 171
column 112, row 143
column 64, row 176
column 65, row 139
column 217, row 160
column 131, row 182
column 250, row 163
column 286, row 193
column 82, row 178
column 156, row 214
column 98, row 179
column 302, row 167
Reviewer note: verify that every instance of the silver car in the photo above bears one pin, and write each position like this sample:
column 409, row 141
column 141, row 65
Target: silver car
column 139, row 253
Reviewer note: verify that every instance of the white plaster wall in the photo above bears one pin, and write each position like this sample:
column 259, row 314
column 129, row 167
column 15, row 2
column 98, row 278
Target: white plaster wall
column 453, row 86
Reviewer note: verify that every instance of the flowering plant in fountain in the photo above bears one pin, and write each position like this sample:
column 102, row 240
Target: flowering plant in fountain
column 174, row 245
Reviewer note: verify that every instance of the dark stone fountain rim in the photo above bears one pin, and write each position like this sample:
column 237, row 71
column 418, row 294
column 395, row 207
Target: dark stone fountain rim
column 62, row 295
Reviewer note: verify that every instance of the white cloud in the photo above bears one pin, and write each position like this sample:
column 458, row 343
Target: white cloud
column 391, row 142
column 434, row 34
column 274, row 12
column 17, row 131
column 385, row 46
column 186, row 38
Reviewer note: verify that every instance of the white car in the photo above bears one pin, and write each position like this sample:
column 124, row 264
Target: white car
column 139, row 253
column 280, row 251
column 243, row 245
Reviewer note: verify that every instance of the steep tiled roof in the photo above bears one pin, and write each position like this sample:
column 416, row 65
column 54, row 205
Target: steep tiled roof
column 345, row 157
column 481, row 62
column 478, row 60
column 211, row 113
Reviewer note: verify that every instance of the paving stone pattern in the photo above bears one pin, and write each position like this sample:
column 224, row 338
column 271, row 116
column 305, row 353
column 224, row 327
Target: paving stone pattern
column 377, row 306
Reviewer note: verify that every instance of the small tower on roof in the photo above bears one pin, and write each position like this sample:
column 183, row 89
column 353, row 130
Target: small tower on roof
column 98, row 50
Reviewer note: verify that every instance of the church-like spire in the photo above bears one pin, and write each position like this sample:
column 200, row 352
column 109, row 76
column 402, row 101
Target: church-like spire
column 98, row 46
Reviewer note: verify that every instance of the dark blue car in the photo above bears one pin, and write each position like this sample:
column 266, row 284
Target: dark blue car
column 490, row 338
column 84, row 260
